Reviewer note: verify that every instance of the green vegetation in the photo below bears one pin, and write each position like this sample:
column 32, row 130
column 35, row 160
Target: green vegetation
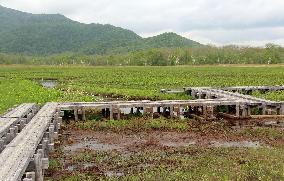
column 16, row 91
column 42, row 34
column 55, row 40
column 190, row 163
column 20, row 84
column 135, row 124
column 272, row 54
column 78, row 83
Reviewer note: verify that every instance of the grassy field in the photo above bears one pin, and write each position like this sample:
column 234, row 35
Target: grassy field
column 20, row 83
column 163, row 153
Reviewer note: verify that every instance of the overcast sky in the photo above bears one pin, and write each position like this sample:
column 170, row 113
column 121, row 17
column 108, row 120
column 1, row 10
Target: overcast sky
column 251, row 22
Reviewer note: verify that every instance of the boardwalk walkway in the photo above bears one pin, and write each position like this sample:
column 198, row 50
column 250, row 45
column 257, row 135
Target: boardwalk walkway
column 29, row 148
column 27, row 134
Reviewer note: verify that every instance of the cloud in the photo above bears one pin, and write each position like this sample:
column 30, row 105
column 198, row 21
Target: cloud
column 252, row 36
column 213, row 21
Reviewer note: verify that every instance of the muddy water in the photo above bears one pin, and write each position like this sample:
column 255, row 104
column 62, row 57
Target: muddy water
column 177, row 144
column 236, row 144
column 114, row 174
column 48, row 83
column 90, row 145
column 274, row 123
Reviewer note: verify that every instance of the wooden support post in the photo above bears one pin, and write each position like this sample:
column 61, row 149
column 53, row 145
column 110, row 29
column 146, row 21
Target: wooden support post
column 44, row 160
column 61, row 113
column 2, row 145
column 51, row 133
column 79, row 111
column 144, row 110
column 152, row 112
column 22, row 124
column 204, row 111
column 263, row 106
column 244, row 111
column 45, row 146
column 228, row 108
column 193, row 94
column 16, row 130
column 48, row 145
column 30, row 176
column 84, row 114
column 45, row 163
column 51, row 137
column 111, row 113
column 55, row 124
column 171, row 111
column 210, row 112
column 282, row 109
column 38, row 165
column 25, row 121
column 76, row 114
column 149, row 111
column 29, row 117
column 208, row 96
column 118, row 114
column 248, row 110
column 237, row 110
column 177, row 110
column 59, row 123
column 199, row 95
column 5, row 139
column 12, row 134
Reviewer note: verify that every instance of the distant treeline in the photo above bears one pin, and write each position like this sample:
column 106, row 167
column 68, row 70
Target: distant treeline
column 271, row 54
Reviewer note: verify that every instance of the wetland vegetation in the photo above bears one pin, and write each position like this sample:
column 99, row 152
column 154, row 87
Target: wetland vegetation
column 151, row 149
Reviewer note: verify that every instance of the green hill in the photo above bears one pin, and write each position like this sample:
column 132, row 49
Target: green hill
column 44, row 34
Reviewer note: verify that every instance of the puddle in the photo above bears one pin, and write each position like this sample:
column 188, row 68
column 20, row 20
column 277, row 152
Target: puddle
column 85, row 166
column 176, row 144
column 70, row 168
column 48, row 83
column 268, row 123
column 114, row 174
column 273, row 123
column 236, row 144
column 90, row 145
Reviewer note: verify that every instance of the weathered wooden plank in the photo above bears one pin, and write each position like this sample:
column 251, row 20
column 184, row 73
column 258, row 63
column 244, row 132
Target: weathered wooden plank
column 20, row 111
column 153, row 104
column 6, row 124
column 237, row 88
column 17, row 155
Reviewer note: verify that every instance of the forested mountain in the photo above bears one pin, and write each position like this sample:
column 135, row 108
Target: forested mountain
column 43, row 34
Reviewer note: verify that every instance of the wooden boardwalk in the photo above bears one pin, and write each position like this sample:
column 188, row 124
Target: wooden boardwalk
column 27, row 134
column 25, row 157
column 23, row 110
column 113, row 110
column 240, row 89
column 14, row 121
